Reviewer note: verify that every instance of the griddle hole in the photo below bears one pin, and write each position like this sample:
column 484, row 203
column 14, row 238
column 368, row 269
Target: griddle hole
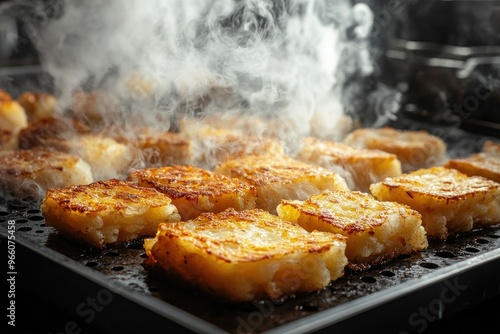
column 91, row 264
column 482, row 241
column 144, row 255
column 472, row 250
column 42, row 225
column 429, row 265
column 494, row 236
column 24, row 229
column 36, row 218
column 4, row 213
column 135, row 246
column 21, row 221
column 112, row 254
column 117, row 268
column 39, row 231
column 33, row 211
column 368, row 279
column 446, row 255
column 387, row 273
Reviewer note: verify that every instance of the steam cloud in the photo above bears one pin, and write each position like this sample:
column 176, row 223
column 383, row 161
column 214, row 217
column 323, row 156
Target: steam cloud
column 284, row 59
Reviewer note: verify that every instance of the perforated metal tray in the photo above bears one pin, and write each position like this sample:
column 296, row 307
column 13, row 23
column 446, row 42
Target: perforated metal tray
column 446, row 278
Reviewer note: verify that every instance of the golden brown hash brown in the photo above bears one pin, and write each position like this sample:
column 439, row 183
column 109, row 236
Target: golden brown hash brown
column 281, row 177
column 244, row 255
column 194, row 190
column 448, row 200
column 27, row 172
column 105, row 212
column 415, row 149
column 359, row 167
column 376, row 231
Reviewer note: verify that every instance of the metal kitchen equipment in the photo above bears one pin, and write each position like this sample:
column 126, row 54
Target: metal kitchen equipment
column 448, row 277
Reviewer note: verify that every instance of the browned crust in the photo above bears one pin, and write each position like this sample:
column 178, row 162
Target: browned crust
column 170, row 138
column 363, row 221
column 231, row 220
column 40, row 131
column 441, row 183
column 32, row 100
column 24, row 163
column 265, row 170
column 108, row 195
column 345, row 153
column 145, row 136
column 189, row 182
column 8, row 140
column 396, row 141
column 478, row 164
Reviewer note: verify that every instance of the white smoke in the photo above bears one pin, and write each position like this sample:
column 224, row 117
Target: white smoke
column 276, row 58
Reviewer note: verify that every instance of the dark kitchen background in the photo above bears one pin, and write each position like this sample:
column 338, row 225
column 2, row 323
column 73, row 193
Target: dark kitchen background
column 442, row 57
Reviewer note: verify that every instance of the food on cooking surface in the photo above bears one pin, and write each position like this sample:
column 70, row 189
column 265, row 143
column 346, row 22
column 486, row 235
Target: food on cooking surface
column 194, row 190
column 94, row 108
column 155, row 148
column 107, row 157
column 107, row 212
column 8, row 140
column 32, row 172
column 167, row 148
column 415, row 149
column 239, row 122
column 38, row 105
column 376, row 231
column 112, row 151
column 491, row 148
column 247, row 255
column 448, row 200
column 212, row 146
column 485, row 163
column 12, row 116
column 281, row 177
column 359, row 167
column 43, row 131
column 480, row 164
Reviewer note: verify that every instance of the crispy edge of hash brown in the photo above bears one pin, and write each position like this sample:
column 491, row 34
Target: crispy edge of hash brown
column 32, row 172
column 281, row 177
column 107, row 212
column 240, row 256
column 359, row 167
column 376, row 231
column 415, row 149
column 449, row 201
column 194, row 190
column 479, row 164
